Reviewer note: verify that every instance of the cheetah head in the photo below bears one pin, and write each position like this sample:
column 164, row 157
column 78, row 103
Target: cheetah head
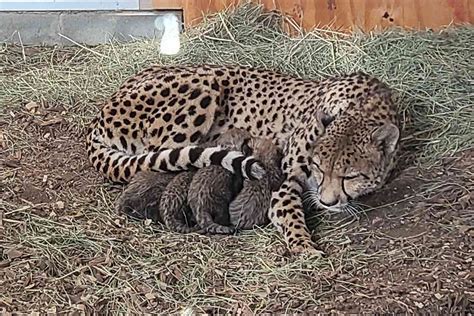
column 352, row 158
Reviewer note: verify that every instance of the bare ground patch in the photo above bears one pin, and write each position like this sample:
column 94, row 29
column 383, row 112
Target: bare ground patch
column 64, row 249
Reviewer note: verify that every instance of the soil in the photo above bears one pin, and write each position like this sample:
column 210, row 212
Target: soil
column 412, row 252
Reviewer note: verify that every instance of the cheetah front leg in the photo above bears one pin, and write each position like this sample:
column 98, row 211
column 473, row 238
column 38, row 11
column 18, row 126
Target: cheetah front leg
column 287, row 215
column 286, row 211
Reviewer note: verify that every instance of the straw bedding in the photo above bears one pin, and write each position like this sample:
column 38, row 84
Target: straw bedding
column 63, row 248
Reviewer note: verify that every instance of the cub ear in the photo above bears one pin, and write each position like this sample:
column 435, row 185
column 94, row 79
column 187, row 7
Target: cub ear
column 246, row 149
column 386, row 137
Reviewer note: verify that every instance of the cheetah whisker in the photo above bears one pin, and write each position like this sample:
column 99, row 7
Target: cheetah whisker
column 350, row 210
column 311, row 198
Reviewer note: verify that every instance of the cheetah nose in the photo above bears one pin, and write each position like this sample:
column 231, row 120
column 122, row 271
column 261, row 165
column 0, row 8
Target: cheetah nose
column 329, row 204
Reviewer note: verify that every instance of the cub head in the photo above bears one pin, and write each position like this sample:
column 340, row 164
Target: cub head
column 352, row 158
column 233, row 139
column 269, row 155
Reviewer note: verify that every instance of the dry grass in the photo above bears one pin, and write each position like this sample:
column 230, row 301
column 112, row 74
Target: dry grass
column 65, row 250
column 432, row 73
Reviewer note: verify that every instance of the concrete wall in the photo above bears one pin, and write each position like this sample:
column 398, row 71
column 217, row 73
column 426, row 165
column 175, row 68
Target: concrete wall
column 85, row 27
column 68, row 5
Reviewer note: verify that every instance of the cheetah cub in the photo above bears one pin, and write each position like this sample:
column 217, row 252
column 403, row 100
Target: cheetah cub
column 250, row 207
column 199, row 201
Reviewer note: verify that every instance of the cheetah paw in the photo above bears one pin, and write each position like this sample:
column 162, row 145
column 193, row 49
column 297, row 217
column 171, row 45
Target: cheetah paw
column 306, row 248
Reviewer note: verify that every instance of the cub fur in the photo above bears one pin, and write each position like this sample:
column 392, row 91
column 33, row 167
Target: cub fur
column 199, row 201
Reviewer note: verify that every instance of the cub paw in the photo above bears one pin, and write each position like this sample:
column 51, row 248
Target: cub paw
column 216, row 229
column 183, row 229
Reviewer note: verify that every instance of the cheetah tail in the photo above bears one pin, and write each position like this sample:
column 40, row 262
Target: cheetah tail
column 120, row 167
column 189, row 157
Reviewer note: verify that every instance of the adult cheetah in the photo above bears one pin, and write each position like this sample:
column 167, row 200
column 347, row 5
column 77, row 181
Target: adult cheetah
column 157, row 116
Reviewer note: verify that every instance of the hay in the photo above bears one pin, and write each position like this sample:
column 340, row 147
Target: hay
column 84, row 257
column 432, row 72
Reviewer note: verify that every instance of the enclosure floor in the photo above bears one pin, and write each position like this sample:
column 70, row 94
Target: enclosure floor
column 64, row 249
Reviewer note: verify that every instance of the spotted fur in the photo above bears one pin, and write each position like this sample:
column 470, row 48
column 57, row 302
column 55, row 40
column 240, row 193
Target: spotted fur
column 157, row 117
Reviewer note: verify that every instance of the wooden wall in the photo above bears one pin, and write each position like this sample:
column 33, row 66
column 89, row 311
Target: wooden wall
column 341, row 14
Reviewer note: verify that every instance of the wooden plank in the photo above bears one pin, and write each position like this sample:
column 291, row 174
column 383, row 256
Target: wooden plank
column 193, row 10
column 341, row 14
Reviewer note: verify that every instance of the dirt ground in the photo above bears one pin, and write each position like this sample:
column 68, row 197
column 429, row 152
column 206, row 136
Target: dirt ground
column 63, row 249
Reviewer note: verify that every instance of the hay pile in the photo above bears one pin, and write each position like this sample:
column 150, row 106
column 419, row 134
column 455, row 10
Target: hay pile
column 65, row 250
column 433, row 73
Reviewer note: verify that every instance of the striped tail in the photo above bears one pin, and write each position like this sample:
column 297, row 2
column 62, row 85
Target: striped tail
column 120, row 167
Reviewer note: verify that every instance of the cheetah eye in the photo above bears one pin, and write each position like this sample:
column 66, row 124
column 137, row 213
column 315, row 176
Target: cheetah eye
column 356, row 175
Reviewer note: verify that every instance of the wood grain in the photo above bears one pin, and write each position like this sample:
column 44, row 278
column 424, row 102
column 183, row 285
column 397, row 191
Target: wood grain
column 343, row 15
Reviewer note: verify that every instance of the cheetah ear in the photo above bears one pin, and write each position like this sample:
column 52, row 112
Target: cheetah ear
column 325, row 119
column 386, row 137
column 318, row 124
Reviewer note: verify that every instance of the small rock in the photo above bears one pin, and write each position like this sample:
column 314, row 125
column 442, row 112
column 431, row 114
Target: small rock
column 60, row 205
column 51, row 310
column 12, row 163
column 150, row 296
column 31, row 106
column 47, row 135
column 377, row 220
column 439, row 296
column 464, row 228
column 188, row 311
column 13, row 253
